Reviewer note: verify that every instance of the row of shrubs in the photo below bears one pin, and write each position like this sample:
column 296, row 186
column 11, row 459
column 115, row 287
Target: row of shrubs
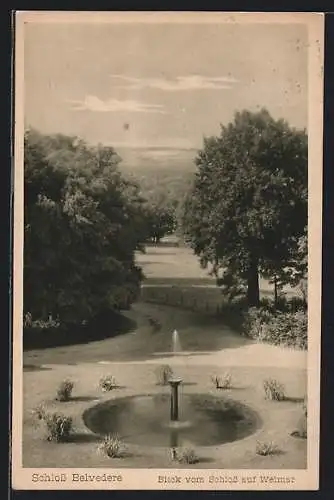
column 273, row 389
column 284, row 328
column 64, row 391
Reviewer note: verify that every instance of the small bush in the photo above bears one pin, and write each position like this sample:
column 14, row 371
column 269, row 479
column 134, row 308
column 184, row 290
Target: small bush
column 187, row 456
column 59, row 426
column 266, row 448
column 107, row 383
column 254, row 321
column 164, row 374
column 273, row 390
column 222, row 382
column 64, row 391
column 39, row 412
column 112, row 446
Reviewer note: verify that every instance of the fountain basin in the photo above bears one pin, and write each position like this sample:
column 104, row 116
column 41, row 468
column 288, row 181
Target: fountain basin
column 144, row 420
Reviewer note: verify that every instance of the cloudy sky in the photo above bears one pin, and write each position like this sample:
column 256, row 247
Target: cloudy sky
column 159, row 88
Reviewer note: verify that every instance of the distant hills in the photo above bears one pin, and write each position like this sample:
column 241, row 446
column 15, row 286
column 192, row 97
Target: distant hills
column 167, row 159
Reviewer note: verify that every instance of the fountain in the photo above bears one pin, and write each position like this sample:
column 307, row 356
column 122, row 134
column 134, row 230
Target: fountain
column 174, row 400
column 176, row 345
column 155, row 420
column 145, row 420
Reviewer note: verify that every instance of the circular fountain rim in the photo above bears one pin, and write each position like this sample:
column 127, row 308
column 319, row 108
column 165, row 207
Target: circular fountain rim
column 258, row 420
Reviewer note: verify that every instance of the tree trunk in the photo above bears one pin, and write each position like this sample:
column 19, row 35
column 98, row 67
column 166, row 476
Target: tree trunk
column 275, row 291
column 253, row 291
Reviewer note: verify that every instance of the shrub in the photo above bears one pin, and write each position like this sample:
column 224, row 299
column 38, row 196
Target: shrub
column 163, row 374
column 108, row 383
column 65, row 390
column 254, row 320
column 276, row 327
column 266, row 448
column 222, row 382
column 112, row 446
column 187, row 456
column 39, row 412
column 58, row 426
column 273, row 390
column 297, row 304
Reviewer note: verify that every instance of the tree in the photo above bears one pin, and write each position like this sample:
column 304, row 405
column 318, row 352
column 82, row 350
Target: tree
column 160, row 216
column 83, row 223
column 164, row 190
column 247, row 207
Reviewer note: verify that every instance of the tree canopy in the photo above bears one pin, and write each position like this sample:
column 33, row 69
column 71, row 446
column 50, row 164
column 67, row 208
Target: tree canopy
column 164, row 191
column 247, row 208
column 83, row 223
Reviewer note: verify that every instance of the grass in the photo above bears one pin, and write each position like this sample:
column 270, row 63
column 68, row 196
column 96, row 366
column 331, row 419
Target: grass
column 180, row 267
column 80, row 451
column 142, row 343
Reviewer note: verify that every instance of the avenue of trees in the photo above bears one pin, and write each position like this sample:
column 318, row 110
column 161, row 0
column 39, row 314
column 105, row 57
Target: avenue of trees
column 246, row 213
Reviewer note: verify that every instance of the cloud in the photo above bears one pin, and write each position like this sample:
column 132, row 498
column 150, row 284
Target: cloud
column 93, row 103
column 180, row 83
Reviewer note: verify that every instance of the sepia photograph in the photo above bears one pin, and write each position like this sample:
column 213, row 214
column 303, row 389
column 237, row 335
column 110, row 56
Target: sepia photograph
column 167, row 250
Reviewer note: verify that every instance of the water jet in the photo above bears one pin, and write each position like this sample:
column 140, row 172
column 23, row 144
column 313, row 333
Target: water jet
column 176, row 344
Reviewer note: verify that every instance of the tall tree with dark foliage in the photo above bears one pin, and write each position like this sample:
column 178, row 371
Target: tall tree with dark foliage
column 247, row 208
column 83, row 223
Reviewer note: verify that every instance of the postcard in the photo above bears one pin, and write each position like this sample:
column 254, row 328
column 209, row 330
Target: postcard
column 167, row 250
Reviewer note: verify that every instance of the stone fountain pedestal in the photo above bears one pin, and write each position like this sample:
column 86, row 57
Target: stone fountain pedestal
column 174, row 401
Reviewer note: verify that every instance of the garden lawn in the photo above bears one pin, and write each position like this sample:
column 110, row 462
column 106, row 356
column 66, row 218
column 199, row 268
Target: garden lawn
column 279, row 418
column 179, row 266
column 203, row 338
